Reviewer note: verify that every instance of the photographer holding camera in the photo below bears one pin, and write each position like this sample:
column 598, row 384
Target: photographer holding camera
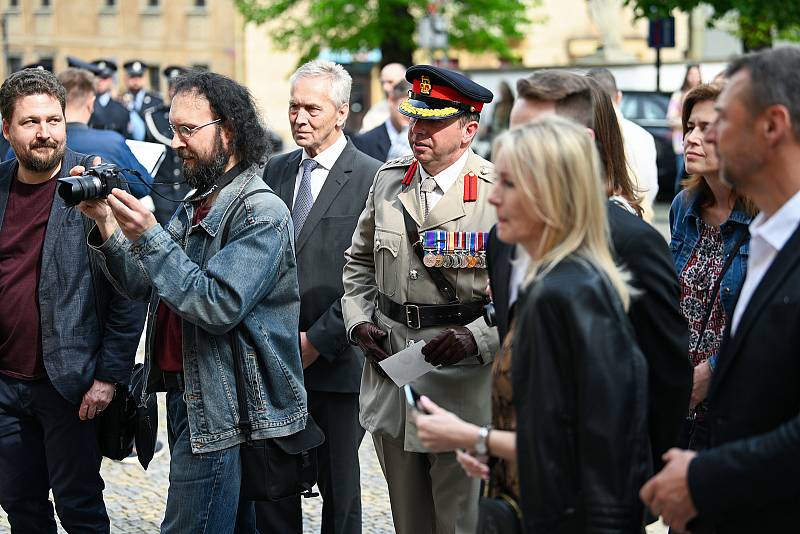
column 66, row 337
column 222, row 284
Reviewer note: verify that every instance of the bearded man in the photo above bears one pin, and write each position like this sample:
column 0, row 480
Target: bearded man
column 66, row 337
column 221, row 280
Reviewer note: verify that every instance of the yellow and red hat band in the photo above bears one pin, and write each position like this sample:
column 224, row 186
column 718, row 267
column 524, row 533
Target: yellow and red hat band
column 445, row 93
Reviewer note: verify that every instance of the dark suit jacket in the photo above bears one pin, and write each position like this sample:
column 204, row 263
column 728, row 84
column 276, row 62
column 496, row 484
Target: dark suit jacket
column 660, row 330
column 320, row 247
column 112, row 116
column 74, row 349
column 375, row 142
column 748, row 480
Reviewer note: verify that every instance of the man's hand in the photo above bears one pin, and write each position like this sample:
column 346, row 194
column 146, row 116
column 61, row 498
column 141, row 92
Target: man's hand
column 472, row 465
column 667, row 494
column 702, row 379
column 308, row 352
column 368, row 337
column 441, row 431
column 96, row 399
column 133, row 218
column 450, row 346
column 77, row 170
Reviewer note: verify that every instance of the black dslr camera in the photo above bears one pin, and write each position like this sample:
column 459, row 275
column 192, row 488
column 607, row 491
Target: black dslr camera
column 95, row 182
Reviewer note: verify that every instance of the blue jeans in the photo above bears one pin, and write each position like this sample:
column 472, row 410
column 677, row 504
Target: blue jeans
column 43, row 445
column 204, row 488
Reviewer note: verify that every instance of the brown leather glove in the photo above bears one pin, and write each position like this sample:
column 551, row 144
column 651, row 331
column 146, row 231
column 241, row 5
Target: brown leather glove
column 450, row 346
column 368, row 337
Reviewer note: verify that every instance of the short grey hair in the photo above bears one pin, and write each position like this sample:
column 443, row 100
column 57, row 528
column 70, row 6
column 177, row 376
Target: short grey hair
column 340, row 79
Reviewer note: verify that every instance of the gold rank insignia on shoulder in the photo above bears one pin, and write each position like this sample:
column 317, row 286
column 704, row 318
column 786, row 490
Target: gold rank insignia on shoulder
column 454, row 250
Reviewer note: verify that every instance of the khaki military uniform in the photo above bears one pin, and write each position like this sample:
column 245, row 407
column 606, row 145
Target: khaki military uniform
column 381, row 259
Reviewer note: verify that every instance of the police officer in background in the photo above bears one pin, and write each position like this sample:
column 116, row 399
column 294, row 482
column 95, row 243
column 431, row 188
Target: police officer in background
column 108, row 114
column 398, row 291
column 168, row 180
column 137, row 98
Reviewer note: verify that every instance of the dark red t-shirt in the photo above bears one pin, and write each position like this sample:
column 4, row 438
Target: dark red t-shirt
column 169, row 332
column 21, row 241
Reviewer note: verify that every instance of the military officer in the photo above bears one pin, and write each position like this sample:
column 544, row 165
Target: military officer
column 169, row 180
column 415, row 271
column 137, row 98
column 108, row 114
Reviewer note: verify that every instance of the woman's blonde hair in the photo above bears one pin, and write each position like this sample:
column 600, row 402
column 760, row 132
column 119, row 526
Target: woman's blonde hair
column 556, row 167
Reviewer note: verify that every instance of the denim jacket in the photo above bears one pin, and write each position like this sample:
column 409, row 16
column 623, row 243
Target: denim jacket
column 237, row 299
column 684, row 223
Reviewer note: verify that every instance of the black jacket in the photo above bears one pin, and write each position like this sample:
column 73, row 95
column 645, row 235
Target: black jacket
column 580, row 393
column 375, row 143
column 319, row 248
column 660, row 329
column 748, row 480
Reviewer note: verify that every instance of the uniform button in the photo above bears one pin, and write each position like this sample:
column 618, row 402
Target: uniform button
column 413, row 274
column 176, row 172
column 727, row 291
column 378, row 242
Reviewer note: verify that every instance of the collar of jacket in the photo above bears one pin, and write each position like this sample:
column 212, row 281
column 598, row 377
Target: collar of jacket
column 230, row 188
column 737, row 213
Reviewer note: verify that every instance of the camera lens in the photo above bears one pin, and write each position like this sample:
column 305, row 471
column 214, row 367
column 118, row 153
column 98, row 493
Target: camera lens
column 77, row 189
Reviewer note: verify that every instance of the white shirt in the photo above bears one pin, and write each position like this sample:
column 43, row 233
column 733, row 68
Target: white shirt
column 519, row 270
column 326, row 160
column 399, row 141
column 767, row 238
column 104, row 98
column 444, row 180
column 640, row 149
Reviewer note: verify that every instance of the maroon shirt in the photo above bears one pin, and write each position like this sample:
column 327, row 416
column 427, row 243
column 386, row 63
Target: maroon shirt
column 21, row 241
column 169, row 332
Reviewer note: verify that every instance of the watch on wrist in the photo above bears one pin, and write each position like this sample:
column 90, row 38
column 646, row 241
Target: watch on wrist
column 482, row 445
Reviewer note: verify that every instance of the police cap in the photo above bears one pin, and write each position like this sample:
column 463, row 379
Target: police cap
column 173, row 71
column 105, row 68
column 439, row 93
column 135, row 67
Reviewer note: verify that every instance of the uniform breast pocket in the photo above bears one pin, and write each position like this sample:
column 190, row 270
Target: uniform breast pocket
column 387, row 247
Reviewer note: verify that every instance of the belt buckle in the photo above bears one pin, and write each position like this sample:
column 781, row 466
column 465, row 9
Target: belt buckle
column 411, row 311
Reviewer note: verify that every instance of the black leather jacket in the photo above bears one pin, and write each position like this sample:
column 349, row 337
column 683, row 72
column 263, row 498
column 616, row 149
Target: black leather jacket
column 580, row 393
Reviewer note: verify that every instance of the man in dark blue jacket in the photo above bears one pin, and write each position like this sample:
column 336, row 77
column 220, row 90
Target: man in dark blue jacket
column 109, row 145
column 66, row 337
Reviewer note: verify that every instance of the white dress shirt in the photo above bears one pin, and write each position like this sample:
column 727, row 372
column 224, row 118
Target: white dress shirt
column 640, row 149
column 444, row 180
column 767, row 238
column 326, row 160
column 398, row 140
column 520, row 264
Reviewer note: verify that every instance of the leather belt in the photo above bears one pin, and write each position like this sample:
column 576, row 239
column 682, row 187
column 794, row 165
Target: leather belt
column 173, row 380
column 416, row 316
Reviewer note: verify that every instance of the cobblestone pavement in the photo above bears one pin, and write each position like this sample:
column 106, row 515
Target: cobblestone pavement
column 136, row 498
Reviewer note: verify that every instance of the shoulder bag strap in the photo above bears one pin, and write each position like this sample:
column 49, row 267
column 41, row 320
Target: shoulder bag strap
column 715, row 289
column 241, row 392
column 445, row 288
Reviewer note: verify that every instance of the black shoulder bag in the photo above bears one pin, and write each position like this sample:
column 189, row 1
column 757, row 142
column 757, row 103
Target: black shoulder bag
column 272, row 468
column 695, row 436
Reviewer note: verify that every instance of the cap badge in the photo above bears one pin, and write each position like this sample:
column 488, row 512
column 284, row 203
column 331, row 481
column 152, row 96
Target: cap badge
column 425, row 85
column 137, row 66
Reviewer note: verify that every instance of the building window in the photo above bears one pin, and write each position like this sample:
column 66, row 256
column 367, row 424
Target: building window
column 111, row 3
column 152, row 3
column 14, row 64
column 45, row 4
column 200, row 66
column 13, row 3
column 199, row 3
column 154, row 74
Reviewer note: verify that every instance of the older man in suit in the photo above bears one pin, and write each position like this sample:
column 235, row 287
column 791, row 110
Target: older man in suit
column 326, row 184
column 395, row 296
column 747, row 480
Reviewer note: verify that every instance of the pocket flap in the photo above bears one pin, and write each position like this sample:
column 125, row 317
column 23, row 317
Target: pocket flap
column 308, row 438
column 389, row 241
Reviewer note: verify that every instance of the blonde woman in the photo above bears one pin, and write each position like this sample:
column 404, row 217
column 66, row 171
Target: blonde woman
column 578, row 378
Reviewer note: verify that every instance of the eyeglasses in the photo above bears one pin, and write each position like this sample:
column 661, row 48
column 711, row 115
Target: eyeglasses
column 185, row 132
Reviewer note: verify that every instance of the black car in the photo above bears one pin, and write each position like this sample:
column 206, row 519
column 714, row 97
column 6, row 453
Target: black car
column 648, row 109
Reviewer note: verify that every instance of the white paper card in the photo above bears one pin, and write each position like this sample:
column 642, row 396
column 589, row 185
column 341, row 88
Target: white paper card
column 406, row 365
column 150, row 155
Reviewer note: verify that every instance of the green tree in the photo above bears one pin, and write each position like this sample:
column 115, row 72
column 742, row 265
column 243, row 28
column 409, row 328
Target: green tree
column 389, row 25
column 758, row 20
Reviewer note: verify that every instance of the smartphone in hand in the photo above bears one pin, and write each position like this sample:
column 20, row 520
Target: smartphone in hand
column 412, row 398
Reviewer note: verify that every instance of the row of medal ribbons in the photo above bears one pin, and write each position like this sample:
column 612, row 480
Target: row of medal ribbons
column 456, row 250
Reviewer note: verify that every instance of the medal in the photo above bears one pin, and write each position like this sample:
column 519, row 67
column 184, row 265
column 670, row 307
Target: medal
column 439, row 260
column 429, row 260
